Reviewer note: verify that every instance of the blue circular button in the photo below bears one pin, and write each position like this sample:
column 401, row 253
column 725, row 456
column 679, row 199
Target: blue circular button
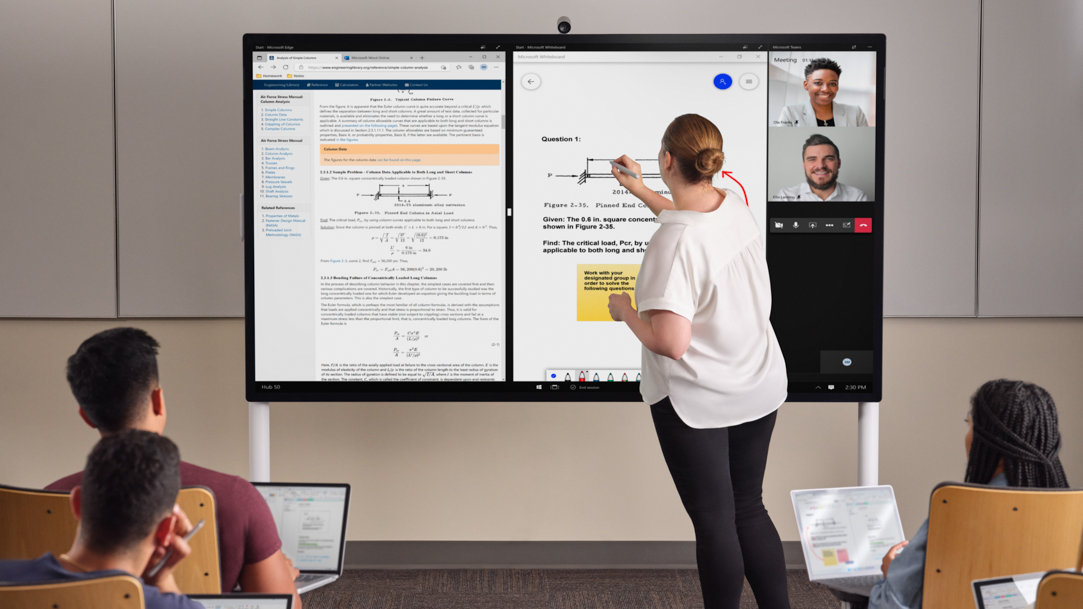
column 723, row 81
column 847, row 362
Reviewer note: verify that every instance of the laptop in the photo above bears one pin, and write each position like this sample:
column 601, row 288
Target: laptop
column 243, row 601
column 845, row 533
column 1011, row 592
column 311, row 520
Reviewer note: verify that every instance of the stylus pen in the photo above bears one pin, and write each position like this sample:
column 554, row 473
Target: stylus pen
column 161, row 563
column 623, row 169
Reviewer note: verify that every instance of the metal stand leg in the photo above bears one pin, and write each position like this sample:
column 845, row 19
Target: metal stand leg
column 868, row 443
column 259, row 442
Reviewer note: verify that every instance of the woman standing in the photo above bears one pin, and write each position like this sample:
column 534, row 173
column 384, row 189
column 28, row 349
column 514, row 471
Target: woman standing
column 713, row 372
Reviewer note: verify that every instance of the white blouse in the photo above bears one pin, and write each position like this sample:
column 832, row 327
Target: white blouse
column 711, row 268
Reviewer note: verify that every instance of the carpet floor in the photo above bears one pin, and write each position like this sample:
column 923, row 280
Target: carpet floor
column 537, row 589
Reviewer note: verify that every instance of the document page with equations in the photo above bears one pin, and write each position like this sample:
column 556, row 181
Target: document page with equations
column 378, row 193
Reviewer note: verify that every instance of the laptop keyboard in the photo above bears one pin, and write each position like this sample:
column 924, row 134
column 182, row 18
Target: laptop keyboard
column 304, row 578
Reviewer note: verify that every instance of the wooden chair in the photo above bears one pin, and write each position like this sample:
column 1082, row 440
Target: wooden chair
column 38, row 521
column 1060, row 590
column 978, row 532
column 111, row 592
column 35, row 522
column 200, row 572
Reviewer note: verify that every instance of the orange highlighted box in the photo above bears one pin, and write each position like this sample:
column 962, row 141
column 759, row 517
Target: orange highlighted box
column 410, row 154
column 596, row 282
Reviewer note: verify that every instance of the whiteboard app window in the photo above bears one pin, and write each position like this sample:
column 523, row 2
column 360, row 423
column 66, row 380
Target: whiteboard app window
column 579, row 236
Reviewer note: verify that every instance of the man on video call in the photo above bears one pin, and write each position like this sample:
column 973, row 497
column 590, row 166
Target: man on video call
column 822, row 161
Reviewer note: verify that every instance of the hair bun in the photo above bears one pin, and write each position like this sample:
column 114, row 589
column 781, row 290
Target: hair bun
column 709, row 161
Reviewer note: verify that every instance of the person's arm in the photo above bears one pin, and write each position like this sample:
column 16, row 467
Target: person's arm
column 665, row 333
column 272, row 575
column 172, row 546
column 654, row 201
column 892, row 552
column 902, row 587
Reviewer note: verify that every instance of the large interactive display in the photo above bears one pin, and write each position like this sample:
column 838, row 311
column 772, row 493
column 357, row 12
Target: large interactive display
column 434, row 217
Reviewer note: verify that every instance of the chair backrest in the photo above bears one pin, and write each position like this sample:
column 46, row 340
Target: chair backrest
column 1060, row 590
column 977, row 532
column 200, row 572
column 111, row 592
column 35, row 522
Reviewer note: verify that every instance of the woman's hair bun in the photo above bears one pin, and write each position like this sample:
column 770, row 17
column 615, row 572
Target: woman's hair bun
column 709, row 161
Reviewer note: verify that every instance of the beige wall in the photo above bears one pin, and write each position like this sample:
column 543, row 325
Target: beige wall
column 567, row 472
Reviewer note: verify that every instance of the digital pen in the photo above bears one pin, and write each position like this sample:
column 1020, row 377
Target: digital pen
column 623, row 169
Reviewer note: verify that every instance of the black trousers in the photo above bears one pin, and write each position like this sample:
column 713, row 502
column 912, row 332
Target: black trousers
column 719, row 476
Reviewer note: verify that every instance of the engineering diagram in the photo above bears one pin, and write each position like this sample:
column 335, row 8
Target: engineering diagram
column 600, row 168
column 402, row 192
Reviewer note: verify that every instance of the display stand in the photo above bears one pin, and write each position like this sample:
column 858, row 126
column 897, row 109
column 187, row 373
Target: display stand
column 868, row 442
column 259, row 442
column 868, row 474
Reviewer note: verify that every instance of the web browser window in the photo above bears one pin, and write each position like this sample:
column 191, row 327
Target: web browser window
column 379, row 186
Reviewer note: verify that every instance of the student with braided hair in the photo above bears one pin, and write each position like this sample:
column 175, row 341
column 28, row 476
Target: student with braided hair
column 1013, row 440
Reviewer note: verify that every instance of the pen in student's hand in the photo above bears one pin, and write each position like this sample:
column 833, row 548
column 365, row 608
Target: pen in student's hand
column 623, row 169
column 161, row 563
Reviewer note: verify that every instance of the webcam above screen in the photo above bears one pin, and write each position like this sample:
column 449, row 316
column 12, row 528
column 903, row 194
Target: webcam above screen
column 434, row 218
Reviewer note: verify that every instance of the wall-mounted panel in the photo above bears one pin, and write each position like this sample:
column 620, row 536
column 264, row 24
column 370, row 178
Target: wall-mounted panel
column 179, row 127
column 57, row 237
column 1031, row 219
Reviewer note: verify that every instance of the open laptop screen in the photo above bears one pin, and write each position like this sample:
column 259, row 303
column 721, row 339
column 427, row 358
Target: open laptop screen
column 1013, row 592
column 311, row 520
column 846, row 531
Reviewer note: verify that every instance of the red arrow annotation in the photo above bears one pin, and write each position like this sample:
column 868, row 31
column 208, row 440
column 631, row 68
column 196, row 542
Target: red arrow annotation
column 729, row 174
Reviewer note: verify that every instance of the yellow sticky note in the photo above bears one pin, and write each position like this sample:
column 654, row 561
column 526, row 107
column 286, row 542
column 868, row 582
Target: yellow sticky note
column 595, row 282
column 830, row 560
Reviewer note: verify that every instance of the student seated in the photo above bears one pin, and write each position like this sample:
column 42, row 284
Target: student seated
column 1013, row 440
column 114, row 377
column 128, row 520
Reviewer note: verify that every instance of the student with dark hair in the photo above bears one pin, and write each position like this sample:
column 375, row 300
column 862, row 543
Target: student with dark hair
column 713, row 371
column 1012, row 440
column 114, row 378
column 822, row 161
column 127, row 521
column 821, row 110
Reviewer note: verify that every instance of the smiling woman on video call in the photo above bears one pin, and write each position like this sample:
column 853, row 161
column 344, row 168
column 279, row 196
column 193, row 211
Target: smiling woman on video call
column 821, row 110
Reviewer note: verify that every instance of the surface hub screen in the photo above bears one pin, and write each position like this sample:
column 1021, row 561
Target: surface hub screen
column 434, row 217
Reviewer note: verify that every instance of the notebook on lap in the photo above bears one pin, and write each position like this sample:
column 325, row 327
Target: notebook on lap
column 243, row 601
column 845, row 533
column 311, row 520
